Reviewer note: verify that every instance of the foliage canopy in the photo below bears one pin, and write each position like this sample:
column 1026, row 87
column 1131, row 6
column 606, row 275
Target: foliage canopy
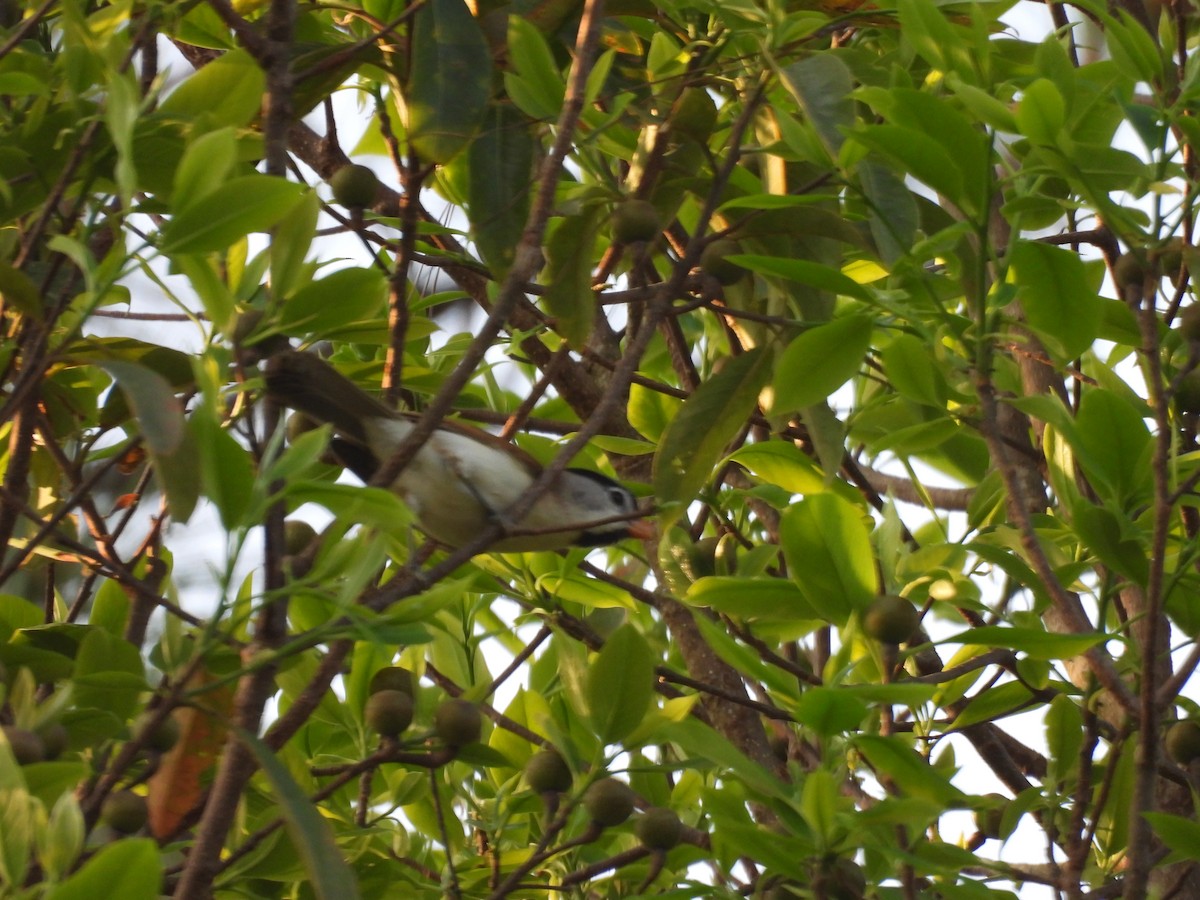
column 913, row 319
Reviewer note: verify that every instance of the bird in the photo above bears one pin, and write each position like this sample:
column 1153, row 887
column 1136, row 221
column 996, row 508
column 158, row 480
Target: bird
column 463, row 478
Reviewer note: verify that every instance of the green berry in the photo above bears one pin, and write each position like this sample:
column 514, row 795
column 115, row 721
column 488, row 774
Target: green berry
column 1183, row 742
column 694, row 115
column 26, row 746
column 296, row 536
column 458, row 723
column 388, row 712
column 1187, row 393
column 1130, row 270
column 354, row 187
column 55, row 738
column 988, row 821
column 658, row 828
column 548, row 773
column 124, row 811
column 609, row 802
column 714, row 261
column 1188, row 322
column 891, row 619
column 634, row 221
column 392, row 678
column 164, row 736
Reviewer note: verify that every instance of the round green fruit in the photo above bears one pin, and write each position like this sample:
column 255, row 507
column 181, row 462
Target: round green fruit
column 296, row 536
column 844, row 880
column 714, row 261
column 548, row 773
column 164, row 736
column 458, row 723
column 26, row 745
column 988, row 821
column 55, row 738
column 393, row 678
column 891, row 619
column 354, row 187
column 694, row 115
column 388, row 712
column 124, row 811
column 1187, row 393
column 1183, row 742
column 658, row 828
column 635, row 221
column 1188, row 322
column 1130, row 270
column 609, row 802
column 1170, row 257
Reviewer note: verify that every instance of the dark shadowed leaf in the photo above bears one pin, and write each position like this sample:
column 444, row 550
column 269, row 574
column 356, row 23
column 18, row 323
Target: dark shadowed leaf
column 450, row 82
column 699, row 434
column 329, row 877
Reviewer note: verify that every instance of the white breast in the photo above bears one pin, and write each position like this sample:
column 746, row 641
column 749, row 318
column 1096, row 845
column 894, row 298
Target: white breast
column 455, row 485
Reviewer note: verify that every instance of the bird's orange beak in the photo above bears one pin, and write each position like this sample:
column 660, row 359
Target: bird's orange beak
column 642, row 529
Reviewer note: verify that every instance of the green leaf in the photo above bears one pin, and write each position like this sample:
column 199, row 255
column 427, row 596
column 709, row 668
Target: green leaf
column 1180, row 834
column 290, row 244
column 996, row 702
column 819, row 803
column 1032, row 641
column 820, row 361
column 450, row 81
column 342, row 297
column 890, row 757
column 651, row 411
column 925, row 28
column 1118, row 544
column 1042, row 112
column 109, row 674
column 822, row 83
column 781, row 463
column 1132, row 48
column 827, row 546
column 710, row 418
column 329, row 877
column 158, row 412
column 235, row 209
column 568, row 275
column 228, row 472
column 535, row 85
column 911, row 370
column 769, row 599
column 372, row 506
column 1064, row 736
column 893, row 217
column 919, row 154
column 1112, row 443
column 805, row 272
column 500, row 169
column 620, row 684
column 130, row 869
column 19, row 290
column 205, row 166
column 227, row 91
column 829, row 711
column 1053, row 288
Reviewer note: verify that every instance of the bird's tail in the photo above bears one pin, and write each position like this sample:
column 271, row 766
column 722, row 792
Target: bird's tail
column 309, row 385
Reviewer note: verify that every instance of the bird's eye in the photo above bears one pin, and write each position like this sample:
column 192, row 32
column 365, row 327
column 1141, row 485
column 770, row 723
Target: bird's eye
column 620, row 498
